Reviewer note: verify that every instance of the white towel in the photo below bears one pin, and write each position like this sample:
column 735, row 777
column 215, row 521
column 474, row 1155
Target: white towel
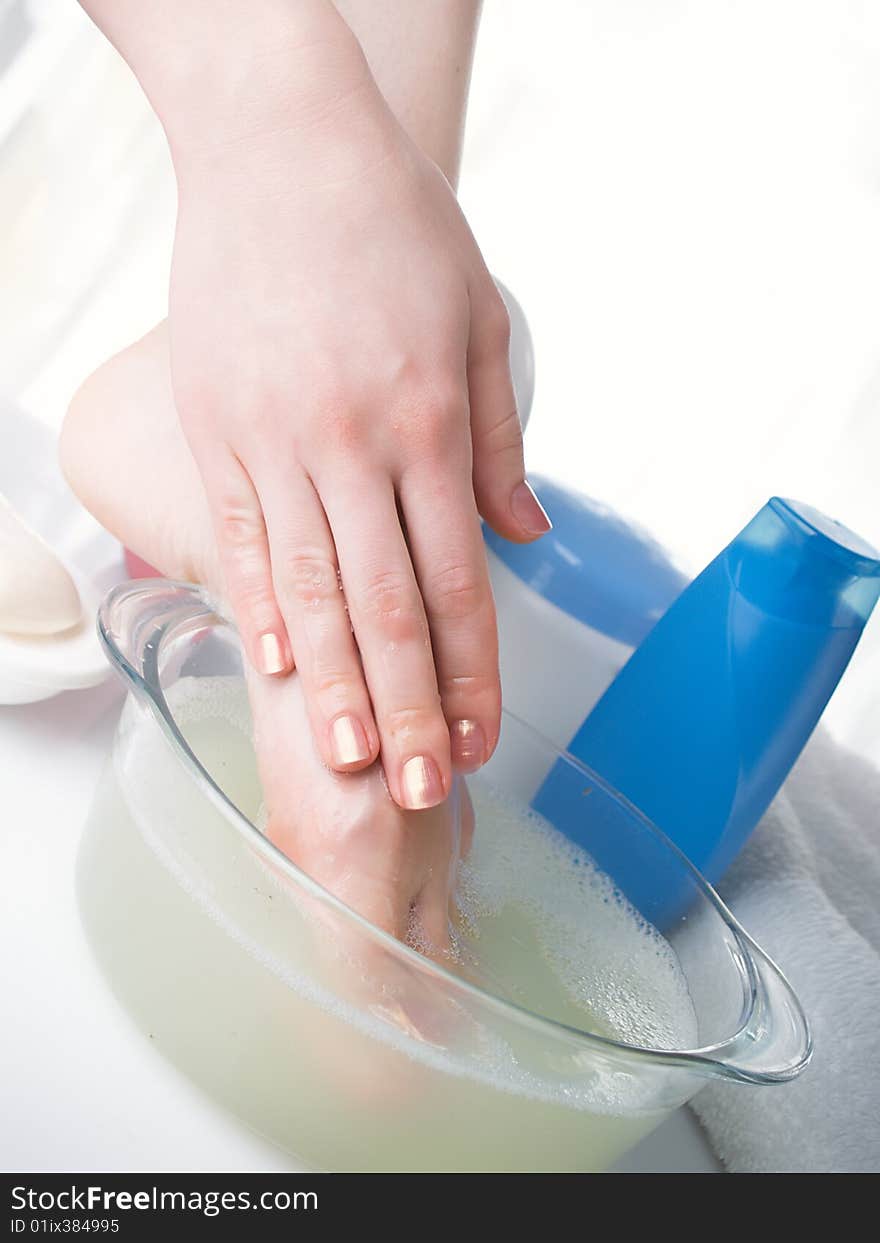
column 807, row 887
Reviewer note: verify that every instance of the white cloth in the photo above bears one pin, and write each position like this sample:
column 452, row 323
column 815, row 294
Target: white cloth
column 807, row 887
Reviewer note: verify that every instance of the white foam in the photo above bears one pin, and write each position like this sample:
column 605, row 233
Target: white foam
column 610, row 961
column 195, row 699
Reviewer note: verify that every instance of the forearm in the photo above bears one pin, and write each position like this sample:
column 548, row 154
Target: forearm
column 217, row 71
column 222, row 71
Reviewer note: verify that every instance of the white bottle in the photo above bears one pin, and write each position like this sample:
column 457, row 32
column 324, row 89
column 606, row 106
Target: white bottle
column 573, row 605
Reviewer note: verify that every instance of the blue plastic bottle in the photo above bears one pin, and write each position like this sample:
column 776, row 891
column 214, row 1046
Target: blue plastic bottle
column 704, row 721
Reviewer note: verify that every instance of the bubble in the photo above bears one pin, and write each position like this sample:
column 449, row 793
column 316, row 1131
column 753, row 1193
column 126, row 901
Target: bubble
column 195, row 699
column 611, row 963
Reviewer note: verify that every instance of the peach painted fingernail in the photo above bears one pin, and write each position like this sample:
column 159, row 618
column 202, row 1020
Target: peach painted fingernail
column 348, row 741
column 528, row 510
column 422, row 787
column 468, row 744
column 270, row 654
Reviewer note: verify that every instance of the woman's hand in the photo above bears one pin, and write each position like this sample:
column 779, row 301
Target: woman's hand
column 339, row 359
column 340, row 368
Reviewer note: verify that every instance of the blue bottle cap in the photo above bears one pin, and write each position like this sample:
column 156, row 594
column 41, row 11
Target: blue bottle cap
column 794, row 562
column 598, row 568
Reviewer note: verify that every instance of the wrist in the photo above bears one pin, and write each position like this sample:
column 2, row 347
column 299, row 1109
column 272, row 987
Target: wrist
column 246, row 77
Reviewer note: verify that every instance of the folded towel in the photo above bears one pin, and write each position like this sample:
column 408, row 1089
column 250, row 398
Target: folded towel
column 807, row 887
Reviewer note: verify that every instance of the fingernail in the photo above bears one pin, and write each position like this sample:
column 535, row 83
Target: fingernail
column 422, row 787
column 528, row 510
column 348, row 741
column 468, row 744
column 270, row 654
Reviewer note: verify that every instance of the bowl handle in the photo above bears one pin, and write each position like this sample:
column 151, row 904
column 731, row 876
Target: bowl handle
column 776, row 1044
column 133, row 618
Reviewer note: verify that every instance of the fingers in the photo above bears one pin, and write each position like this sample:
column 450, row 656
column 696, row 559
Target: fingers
column 446, row 545
column 394, row 868
column 503, row 494
column 435, row 913
column 466, row 821
column 429, row 930
column 392, row 633
column 307, row 587
column 243, row 547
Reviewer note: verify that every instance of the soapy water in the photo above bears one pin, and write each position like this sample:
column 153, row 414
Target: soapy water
column 537, row 925
column 525, row 887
